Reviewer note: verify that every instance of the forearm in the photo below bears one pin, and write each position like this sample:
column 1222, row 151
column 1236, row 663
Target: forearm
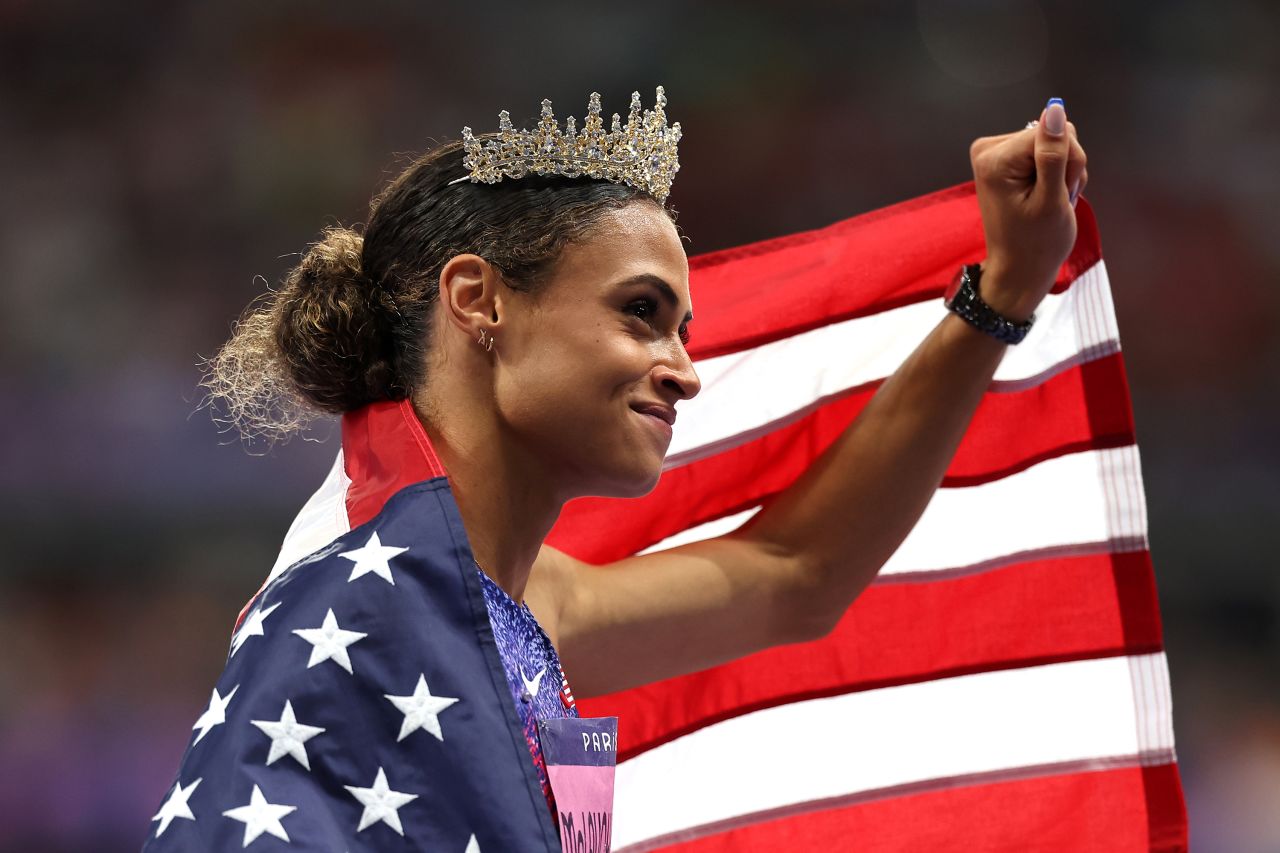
column 842, row 520
column 855, row 504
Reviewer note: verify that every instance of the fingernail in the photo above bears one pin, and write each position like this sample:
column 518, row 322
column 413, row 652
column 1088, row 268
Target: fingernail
column 1055, row 117
column 1075, row 194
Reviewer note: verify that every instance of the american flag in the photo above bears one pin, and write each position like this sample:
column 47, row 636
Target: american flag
column 363, row 705
column 1005, row 689
column 1002, row 685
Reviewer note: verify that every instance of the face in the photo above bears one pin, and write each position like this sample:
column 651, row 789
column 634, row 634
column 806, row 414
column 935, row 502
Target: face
column 592, row 361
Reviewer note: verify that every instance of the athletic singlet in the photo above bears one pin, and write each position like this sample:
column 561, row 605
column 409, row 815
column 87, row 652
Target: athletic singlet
column 537, row 683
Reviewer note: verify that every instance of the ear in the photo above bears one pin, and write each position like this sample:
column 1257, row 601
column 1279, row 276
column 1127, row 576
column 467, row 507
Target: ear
column 470, row 294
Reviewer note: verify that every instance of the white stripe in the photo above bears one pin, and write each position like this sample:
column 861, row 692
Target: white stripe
column 823, row 749
column 322, row 519
column 757, row 390
column 710, row 530
column 1088, row 500
column 1154, row 702
column 1073, row 500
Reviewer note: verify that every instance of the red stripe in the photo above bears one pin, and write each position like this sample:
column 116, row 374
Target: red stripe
column 1166, row 809
column 1117, row 811
column 1039, row 612
column 891, row 257
column 1085, row 407
column 385, row 449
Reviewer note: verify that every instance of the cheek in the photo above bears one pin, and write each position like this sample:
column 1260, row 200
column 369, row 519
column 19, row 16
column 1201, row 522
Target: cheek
column 592, row 360
column 556, row 374
column 573, row 388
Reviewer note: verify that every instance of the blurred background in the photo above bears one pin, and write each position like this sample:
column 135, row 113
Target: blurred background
column 162, row 162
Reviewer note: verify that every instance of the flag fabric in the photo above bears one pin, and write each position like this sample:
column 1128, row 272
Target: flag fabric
column 364, row 705
column 1002, row 684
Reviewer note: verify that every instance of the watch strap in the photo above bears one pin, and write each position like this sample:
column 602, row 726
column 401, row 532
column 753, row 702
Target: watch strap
column 968, row 304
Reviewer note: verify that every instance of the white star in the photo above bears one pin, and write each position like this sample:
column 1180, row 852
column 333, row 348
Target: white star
column 473, row 846
column 421, row 710
column 176, row 806
column 252, row 627
column 380, row 803
column 215, row 714
column 288, row 736
column 330, row 642
column 373, row 557
column 260, row 816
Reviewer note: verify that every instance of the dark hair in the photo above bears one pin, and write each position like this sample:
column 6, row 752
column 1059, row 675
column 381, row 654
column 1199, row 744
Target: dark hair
column 349, row 324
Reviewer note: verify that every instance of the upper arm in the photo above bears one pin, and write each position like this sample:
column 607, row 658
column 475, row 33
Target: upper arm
column 659, row 615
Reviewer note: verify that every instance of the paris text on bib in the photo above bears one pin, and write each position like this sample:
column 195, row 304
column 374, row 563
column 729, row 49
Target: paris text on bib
column 581, row 754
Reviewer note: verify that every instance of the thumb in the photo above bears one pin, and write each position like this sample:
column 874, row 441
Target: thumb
column 1053, row 150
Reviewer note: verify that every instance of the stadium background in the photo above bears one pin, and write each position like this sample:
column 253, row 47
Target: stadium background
column 162, row 161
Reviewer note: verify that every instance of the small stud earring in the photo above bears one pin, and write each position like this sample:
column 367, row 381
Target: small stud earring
column 487, row 344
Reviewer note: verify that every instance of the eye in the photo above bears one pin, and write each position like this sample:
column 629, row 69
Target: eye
column 644, row 308
column 647, row 309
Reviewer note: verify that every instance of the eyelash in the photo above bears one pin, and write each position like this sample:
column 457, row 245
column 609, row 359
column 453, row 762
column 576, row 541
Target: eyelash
column 652, row 307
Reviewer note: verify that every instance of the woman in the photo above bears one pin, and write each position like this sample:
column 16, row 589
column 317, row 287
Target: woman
column 508, row 334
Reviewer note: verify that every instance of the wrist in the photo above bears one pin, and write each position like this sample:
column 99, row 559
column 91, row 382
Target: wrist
column 1001, row 292
column 964, row 298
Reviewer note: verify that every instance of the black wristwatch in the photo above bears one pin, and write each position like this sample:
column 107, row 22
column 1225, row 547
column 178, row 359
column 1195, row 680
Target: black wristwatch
column 962, row 297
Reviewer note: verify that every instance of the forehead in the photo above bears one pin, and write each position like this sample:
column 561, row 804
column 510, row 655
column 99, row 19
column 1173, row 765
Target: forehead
column 633, row 241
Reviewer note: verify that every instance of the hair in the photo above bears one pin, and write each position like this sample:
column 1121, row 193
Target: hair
column 350, row 324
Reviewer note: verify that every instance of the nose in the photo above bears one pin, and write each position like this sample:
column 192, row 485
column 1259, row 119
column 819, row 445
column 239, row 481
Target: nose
column 678, row 375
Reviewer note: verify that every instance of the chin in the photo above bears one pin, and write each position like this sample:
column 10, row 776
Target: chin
column 647, row 486
column 630, row 484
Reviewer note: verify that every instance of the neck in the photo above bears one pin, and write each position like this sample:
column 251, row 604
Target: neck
column 507, row 501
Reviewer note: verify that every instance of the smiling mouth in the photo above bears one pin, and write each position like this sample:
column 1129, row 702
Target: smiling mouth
column 666, row 414
column 658, row 422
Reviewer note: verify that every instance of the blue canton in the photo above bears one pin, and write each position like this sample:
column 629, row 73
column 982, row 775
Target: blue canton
column 365, row 706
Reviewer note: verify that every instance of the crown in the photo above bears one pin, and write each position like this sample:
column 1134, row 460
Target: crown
column 641, row 153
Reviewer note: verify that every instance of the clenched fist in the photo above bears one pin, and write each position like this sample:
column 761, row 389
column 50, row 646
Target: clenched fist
column 1027, row 185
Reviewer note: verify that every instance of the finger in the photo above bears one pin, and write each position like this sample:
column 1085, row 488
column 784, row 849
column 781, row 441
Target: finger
column 1076, row 162
column 1052, row 153
column 1034, row 123
column 1084, row 182
column 982, row 144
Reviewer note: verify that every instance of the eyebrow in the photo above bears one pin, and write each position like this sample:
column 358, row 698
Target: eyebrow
column 668, row 293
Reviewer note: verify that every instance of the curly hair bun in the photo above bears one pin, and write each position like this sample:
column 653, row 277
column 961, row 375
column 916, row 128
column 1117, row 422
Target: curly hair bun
column 333, row 328
column 320, row 343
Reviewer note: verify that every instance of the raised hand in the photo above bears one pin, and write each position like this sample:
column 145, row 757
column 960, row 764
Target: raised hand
column 1027, row 185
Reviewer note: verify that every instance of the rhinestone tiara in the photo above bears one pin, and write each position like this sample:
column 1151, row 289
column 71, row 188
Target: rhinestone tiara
column 641, row 153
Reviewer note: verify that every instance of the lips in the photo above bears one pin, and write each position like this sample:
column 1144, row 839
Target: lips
column 665, row 413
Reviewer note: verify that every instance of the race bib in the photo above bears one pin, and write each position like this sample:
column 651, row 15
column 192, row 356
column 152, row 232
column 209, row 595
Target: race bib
column 581, row 755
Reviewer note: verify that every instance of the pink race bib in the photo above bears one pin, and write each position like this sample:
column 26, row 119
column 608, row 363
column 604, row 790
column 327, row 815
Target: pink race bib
column 581, row 755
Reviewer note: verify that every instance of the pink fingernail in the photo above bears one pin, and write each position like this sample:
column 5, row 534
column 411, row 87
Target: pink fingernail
column 1055, row 117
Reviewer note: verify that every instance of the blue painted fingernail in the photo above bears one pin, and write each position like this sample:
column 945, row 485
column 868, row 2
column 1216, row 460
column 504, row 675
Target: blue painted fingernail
column 1055, row 120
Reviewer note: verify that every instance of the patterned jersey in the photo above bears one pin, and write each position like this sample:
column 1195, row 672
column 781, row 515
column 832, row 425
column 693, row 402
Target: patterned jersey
column 533, row 671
